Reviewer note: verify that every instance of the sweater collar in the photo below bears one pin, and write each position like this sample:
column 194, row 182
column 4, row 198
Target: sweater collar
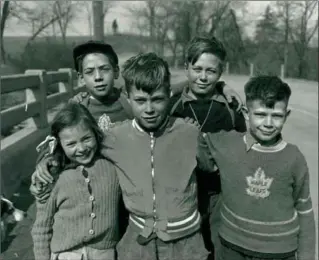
column 215, row 97
column 166, row 125
column 251, row 143
column 110, row 99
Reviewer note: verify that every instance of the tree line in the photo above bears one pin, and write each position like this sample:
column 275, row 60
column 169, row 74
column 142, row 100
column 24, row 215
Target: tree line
column 283, row 34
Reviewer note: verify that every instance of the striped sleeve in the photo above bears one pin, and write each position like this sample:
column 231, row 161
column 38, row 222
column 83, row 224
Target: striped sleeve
column 303, row 205
column 42, row 228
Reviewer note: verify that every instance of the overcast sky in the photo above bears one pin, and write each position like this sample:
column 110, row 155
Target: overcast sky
column 124, row 19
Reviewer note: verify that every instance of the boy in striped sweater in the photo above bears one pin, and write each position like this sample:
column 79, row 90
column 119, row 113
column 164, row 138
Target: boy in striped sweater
column 266, row 208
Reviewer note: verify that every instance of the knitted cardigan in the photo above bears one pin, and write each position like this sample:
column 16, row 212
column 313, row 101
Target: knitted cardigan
column 81, row 210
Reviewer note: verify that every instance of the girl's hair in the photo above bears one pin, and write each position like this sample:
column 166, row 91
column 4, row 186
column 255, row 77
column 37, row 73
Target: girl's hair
column 71, row 115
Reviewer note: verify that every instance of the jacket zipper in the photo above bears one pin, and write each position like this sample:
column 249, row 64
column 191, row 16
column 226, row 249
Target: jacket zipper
column 153, row 177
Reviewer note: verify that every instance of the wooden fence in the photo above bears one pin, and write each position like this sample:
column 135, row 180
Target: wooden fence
column 36, row 83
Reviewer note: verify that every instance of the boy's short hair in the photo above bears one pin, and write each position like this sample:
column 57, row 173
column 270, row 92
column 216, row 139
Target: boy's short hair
column 267, row 89
column 80, row 51
column 147, row 72
column 204, row 44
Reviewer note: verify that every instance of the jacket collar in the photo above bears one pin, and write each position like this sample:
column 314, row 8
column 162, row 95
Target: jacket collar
column 215, row 97
column 251, row 143
column 164, row 128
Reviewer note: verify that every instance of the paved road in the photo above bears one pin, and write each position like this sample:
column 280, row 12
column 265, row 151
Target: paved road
column 301, row 128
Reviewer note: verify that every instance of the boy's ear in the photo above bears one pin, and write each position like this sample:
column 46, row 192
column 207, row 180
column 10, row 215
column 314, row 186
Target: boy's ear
column 80, row 79
column 244, row 110
column 288, row 113
column 116, row 72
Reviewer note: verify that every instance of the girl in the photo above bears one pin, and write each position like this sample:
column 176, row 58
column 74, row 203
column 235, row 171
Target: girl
column 80, row 218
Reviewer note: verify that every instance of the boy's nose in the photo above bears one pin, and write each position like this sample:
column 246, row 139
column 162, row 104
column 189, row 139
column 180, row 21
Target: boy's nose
column 268, row 121
column 203, row 75
column 97, row 75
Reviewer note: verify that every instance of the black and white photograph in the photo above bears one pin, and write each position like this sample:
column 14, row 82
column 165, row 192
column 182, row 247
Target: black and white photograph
column 159, row 130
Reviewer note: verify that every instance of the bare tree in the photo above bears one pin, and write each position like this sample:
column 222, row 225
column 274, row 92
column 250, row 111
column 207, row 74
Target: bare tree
column 38, row 16
column 4, row 15
column 87, row 8
column 65, row 11
column 302, row 32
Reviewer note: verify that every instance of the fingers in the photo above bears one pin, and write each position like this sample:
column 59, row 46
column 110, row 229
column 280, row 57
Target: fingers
column 240, row 103
column 43, row 198
column 192, row 121
column 42, row 172
column 33, row 190
column 229, row 98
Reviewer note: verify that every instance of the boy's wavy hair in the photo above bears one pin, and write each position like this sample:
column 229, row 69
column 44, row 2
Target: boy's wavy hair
column 70, row 115
column 147, row 72
column 204, row 44
column 267, row 89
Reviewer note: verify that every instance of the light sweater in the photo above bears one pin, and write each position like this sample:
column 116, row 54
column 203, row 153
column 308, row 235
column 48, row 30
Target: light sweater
column 266, row 203
column 159, row 185
column 81, row 210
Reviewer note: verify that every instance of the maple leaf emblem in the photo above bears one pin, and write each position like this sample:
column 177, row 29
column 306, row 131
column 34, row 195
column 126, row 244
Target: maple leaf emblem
column 105, row 123
column 259, row 184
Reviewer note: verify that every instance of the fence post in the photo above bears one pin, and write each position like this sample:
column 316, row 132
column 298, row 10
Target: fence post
column 251, row 69
column 282, row 71
column 40, row 95
column 69, row 86
column 227, row 68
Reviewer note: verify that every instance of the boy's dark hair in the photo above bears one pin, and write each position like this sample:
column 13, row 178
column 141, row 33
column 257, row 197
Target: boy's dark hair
column 80, row 51
column 70, row 115
column 204, row 44
column 267, row 89
column 147, row 72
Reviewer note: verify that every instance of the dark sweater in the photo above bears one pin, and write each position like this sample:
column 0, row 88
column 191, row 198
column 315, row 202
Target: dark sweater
column 218, row 119
column 114, row 109
column 82, row 209
column 266, row 203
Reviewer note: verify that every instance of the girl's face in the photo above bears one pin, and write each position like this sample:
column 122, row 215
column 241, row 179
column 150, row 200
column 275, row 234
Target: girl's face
column 78, row 143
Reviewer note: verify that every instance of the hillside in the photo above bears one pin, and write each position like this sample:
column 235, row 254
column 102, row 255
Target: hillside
column 14, row 45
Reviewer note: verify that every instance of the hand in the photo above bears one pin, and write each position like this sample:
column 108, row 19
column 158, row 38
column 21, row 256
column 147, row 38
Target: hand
column 42, row 173
column 191, row 121
column 230, row 93
column 40, row 191
column 78, row 98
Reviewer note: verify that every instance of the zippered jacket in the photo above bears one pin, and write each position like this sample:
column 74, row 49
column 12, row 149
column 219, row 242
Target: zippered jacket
column 156, row 175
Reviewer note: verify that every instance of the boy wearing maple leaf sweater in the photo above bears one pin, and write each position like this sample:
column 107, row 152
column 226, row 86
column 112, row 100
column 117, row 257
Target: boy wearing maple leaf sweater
column 266, row 208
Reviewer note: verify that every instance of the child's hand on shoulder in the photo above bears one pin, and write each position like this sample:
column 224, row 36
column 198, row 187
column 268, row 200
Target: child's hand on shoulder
column 192, row 121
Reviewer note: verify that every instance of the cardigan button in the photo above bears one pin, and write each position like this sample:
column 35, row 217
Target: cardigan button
column 87, row 180
column 91, row 198
column 91, row 231
column 92, row 215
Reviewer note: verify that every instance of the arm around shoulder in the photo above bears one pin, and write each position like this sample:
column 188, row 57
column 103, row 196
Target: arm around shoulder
column 303, row 205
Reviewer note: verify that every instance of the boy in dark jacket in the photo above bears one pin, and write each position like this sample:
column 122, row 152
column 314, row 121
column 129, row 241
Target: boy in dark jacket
column 202, row 99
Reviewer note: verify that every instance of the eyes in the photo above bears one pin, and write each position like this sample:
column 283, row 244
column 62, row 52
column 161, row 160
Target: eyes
column 208, row 72
column 86, row 139
column 90, row 71
column 275, row 116
column 141, row 101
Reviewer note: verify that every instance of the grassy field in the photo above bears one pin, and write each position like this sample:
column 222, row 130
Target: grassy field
column 301, row 129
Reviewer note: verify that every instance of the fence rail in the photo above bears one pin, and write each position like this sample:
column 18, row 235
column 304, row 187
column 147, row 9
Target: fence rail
column 36, row 83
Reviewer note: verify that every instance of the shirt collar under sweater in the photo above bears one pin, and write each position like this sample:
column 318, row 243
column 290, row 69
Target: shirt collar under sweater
column 251, row 143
